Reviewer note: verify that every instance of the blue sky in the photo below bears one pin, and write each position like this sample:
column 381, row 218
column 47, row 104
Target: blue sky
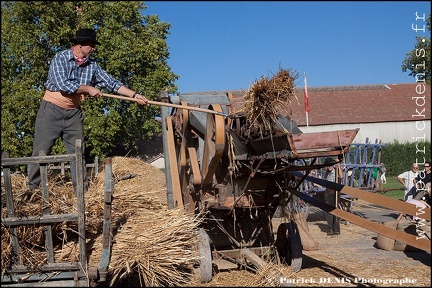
column 221, row 45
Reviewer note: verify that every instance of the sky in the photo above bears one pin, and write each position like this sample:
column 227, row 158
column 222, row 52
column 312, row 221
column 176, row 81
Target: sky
column 221, row 45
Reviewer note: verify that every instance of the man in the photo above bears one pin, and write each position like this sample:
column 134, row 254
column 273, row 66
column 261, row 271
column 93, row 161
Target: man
column 72, row 74
column 425, row 195
column 374, row 170
column 331, row 196
column 383, row 174
column 422, row 179
column 407, row 180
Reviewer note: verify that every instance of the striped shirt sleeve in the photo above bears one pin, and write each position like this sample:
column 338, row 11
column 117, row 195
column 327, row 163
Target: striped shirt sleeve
column 66, row 76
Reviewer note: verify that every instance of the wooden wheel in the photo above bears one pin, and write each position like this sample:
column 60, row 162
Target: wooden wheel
column 206, row 265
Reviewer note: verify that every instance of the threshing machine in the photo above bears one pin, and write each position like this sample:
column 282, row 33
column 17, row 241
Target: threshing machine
column 239, row 174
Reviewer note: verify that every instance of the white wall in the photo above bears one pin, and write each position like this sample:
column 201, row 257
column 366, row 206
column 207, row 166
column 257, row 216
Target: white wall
column 387, row 132
column 158, row 163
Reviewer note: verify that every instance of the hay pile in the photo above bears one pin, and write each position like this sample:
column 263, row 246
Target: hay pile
column 31, row 239
column 151, row 241
column 263, row 99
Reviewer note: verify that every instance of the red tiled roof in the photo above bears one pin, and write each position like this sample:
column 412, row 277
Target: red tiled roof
column 359, row 104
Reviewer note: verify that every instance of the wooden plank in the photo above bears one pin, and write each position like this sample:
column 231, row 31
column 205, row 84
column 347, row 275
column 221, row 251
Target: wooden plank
column 34, row 220
column 175, row 178
column 412, row 240
column 37, row 159
column 60, row 283
column 65, row 266
column 384, row 201
column 43, row 277
column 10, row 210
column 46, row 211
column 107, row 219
column 80, row 171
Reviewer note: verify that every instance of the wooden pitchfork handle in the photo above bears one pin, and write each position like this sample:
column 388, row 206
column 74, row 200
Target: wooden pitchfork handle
column 167, row 104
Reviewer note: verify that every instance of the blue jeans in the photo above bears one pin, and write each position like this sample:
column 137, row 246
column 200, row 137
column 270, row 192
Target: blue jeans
column 52, row 122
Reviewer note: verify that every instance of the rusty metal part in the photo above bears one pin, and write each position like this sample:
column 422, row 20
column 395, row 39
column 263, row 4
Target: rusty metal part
column 253, row 172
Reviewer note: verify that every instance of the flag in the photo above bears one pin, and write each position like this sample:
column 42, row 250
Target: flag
column 306, row 97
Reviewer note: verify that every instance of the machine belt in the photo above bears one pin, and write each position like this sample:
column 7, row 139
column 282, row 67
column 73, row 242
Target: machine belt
column 387, row 202
column 412, row 240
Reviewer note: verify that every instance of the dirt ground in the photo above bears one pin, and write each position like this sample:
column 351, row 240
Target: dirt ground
column 347, row 260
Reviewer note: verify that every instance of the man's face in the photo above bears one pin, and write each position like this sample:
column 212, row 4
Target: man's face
column 87, row 47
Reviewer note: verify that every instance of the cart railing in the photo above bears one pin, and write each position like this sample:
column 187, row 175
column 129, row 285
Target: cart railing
column 64, row 274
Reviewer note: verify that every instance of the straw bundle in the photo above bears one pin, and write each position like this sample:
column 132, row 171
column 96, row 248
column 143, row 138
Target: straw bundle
column 162, row 254
column 263, row 99
column 271, row 275
column 151, row 241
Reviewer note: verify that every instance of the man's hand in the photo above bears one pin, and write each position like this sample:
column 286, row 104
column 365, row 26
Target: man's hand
column 94, row 92
column 89, row 90
column 142, row 100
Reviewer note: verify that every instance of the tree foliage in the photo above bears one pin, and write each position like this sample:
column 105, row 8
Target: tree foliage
column 398, row 156
column 133, row 50
column 418, row 60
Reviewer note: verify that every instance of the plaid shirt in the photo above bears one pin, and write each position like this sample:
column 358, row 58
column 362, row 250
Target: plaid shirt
column 66, row 76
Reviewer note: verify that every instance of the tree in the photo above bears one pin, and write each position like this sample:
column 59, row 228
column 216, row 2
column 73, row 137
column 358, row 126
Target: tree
column 133, row 49
column 418, row 60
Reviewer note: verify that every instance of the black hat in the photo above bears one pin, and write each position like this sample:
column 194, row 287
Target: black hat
column 85, row 34
column 328, row 160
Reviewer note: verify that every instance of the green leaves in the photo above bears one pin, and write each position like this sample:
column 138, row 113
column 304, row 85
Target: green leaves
column 134, row 50
column 418, row 60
